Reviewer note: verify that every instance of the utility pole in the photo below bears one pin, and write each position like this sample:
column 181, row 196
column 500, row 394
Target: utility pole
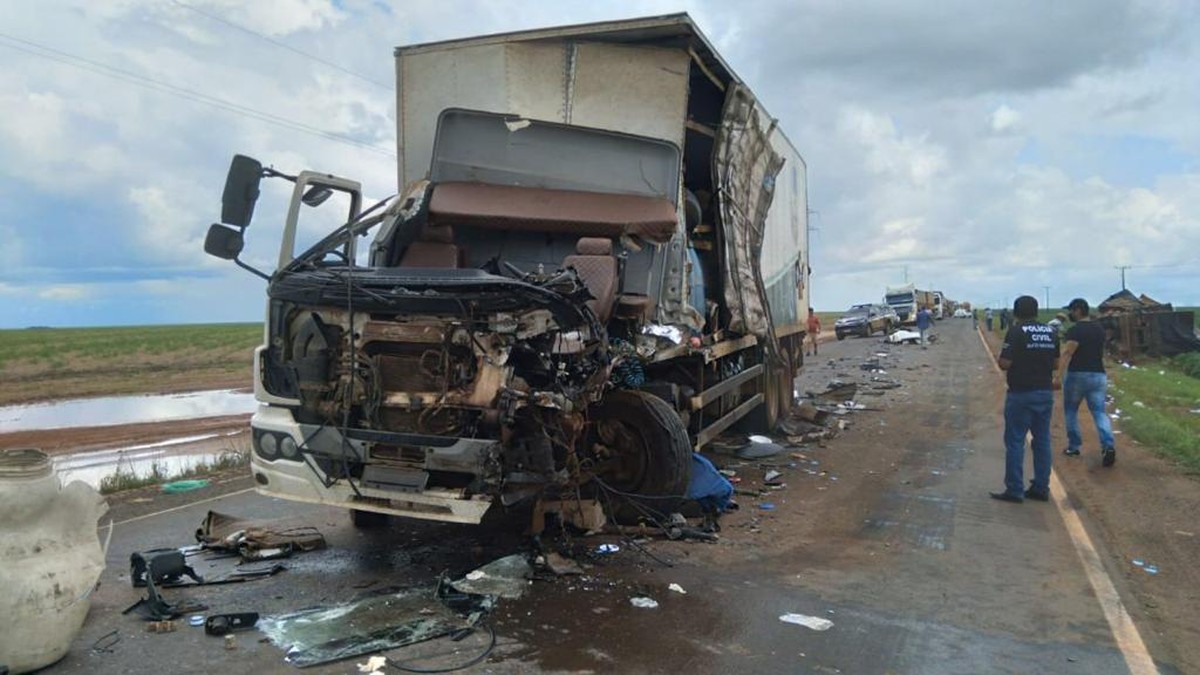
column 1047, row 296
column 1123, row 268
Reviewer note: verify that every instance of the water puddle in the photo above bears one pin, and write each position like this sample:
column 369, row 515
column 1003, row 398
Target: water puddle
column 167, row 458
column 112, row 410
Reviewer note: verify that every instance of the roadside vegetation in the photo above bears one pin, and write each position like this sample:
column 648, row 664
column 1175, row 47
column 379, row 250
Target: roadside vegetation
column 1160, row 406
column 126, row 479
column 52, row 363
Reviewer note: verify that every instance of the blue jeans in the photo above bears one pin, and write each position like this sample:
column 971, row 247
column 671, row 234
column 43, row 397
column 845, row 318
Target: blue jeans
column 1090, row 387
column 1027, row 412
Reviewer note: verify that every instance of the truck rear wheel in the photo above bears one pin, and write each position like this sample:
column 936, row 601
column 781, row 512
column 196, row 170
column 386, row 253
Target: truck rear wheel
column 777, row 394
column 648, row 458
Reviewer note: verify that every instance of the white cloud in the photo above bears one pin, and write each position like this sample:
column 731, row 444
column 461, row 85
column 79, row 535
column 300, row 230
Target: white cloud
column 1004, row 119
column 65, row 293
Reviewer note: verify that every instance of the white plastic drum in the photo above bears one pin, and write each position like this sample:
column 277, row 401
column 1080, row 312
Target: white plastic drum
column 50, row 559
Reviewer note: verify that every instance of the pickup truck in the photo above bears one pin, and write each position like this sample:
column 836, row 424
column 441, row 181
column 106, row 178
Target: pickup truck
column 865, row 320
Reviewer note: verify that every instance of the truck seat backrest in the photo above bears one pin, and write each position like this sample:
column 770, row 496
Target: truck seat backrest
column 434, row 247
column 597, row 269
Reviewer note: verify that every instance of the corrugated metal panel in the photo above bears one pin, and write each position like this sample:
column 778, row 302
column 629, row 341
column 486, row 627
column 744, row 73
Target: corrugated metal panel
column 651, row 99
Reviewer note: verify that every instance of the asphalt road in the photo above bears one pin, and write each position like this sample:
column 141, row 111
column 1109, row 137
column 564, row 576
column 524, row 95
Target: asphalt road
column 892, row 537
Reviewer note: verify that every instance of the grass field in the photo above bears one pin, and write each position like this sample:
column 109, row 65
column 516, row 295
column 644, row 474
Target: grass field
column 48, row 363
column 1164, row 421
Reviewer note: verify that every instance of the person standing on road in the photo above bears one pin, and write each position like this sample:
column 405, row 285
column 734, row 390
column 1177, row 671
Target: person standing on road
column 975, row 319
column 924, row 323
column 1004, row 319
column 987, row 318
column 1085, row 379
column 1028, row 357
column 814, row 329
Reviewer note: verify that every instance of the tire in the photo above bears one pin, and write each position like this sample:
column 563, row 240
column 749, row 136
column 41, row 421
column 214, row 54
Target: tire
column 653, row 453
column 841, row 336
column 368, row 520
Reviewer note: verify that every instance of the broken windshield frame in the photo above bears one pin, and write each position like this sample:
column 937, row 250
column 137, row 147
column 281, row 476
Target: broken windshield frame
column 356, row 227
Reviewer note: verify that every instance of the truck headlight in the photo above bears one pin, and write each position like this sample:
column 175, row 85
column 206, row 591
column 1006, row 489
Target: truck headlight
column 288, row 448
column 268, row 445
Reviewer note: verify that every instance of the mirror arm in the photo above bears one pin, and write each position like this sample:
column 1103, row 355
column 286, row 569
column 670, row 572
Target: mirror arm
column 252, row 270
column 269, row 172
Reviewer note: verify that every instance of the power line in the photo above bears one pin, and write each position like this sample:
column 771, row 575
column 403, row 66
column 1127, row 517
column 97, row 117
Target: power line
column 281, row 45
column 82, row 63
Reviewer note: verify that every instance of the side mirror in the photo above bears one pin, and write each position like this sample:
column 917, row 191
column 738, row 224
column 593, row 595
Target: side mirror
column 241, row 191
column 316, row 195
column 223, row 242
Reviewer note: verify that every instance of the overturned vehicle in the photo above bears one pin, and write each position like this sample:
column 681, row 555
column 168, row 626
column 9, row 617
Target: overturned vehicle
column 587, row 276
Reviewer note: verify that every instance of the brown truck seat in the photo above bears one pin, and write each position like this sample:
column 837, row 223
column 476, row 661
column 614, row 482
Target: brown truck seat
column 434, row 247
column 597, row 269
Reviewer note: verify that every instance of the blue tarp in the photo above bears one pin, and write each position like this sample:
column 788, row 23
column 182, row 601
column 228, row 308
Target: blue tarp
column 708, row 487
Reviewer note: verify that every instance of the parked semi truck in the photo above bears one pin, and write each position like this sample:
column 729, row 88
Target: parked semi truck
column 596, row 263
column 907, row 300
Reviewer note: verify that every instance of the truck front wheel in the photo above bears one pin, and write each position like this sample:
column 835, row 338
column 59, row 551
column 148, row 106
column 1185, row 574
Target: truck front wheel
column 642, row 455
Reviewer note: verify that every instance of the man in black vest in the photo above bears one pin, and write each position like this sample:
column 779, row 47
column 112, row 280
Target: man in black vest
column 1086, row 380
column 1029, row 357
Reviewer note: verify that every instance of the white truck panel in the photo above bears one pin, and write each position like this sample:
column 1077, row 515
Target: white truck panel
column 785, row 240
column 568, row 83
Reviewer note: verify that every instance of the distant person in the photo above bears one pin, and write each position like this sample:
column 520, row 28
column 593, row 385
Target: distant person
column 1057, row 323
column 1085, row 380
column 987, row 318
column 814, row 329
column 1029, row 356
column 924, row 323
column 1004, row 319
column 975, row 319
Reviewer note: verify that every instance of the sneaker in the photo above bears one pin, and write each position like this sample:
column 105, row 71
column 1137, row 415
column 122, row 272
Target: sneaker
column 1037, row 495
column 1108, row 456
column 1071, row 452
column 1006, row 497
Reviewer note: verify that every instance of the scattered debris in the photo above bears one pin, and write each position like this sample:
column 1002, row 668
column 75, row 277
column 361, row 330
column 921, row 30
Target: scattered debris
column 606, row 549
column 224, row 624
column 677, row 588
column 644, row 603
column 772, row 476
column 760, row 449
column 373, row 666
column 164, row 626
column 507, row 577
column 184, row 486
column 255, row 541
column 561, row 565
column 708, row 487
column 385, row 621
column 585, row 514
column 767, row 506
column 813, row 622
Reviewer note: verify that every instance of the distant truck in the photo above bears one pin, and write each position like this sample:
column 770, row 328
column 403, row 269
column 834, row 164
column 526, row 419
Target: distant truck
column 907, row 300
column 597, row 262
column 939, row 309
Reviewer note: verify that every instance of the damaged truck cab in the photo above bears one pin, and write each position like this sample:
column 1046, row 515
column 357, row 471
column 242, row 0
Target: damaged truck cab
column 595, row 265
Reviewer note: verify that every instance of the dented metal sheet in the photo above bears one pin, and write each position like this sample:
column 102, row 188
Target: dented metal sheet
column 746, row 165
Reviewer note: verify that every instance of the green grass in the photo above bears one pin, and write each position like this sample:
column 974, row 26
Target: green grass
column 125, row 479
column 59, row 345
column 52, row 363
column 1164, row 422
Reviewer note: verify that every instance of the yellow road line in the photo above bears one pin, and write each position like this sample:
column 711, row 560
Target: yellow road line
column 1129, row 640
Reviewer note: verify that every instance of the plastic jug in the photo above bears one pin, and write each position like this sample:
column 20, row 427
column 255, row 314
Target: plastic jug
column 50, row 559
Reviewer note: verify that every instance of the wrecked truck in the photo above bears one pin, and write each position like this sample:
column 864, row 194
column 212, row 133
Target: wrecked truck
column 595, row 264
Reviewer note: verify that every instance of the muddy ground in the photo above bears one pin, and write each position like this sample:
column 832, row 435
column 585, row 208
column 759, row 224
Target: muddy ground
column 891, row 537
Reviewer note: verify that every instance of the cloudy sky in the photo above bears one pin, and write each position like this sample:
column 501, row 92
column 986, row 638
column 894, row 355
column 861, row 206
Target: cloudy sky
column 986, row 149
